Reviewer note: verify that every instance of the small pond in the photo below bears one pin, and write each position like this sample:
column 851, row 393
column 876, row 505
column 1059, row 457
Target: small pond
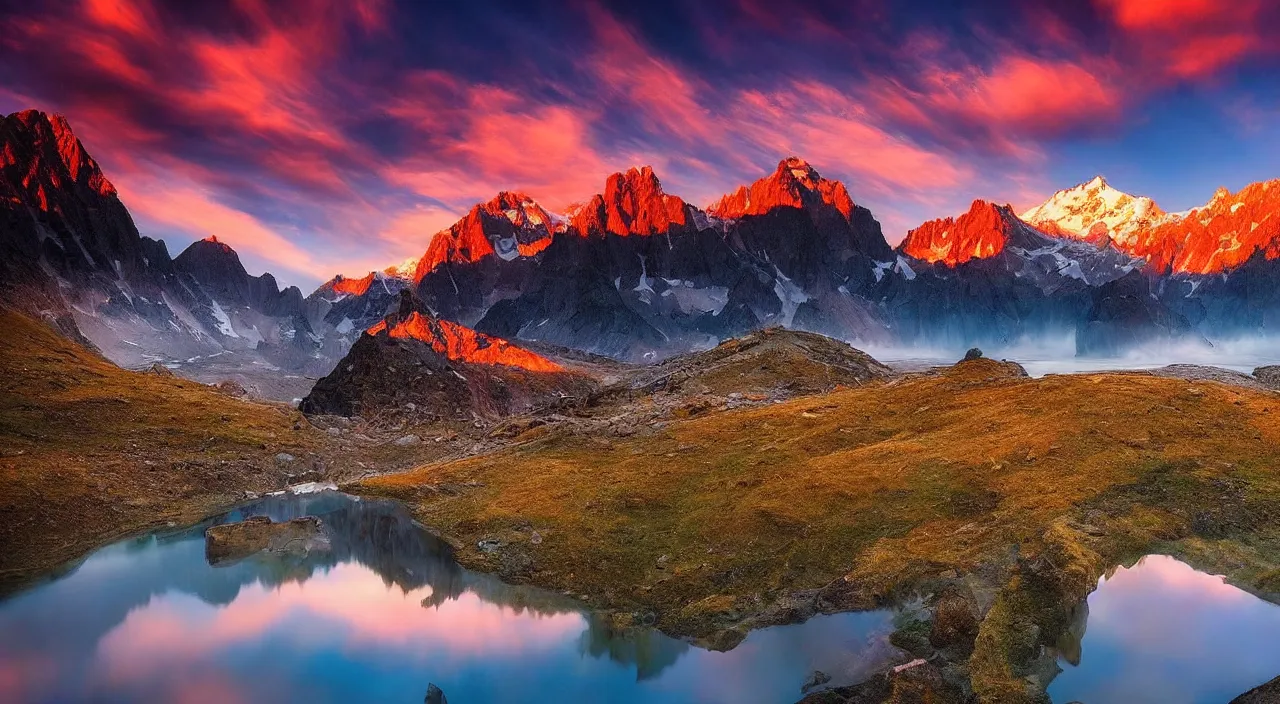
column 376, row 615
column 1160, row 631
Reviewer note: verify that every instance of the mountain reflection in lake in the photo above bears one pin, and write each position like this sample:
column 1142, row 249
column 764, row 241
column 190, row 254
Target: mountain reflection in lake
column 376, row 616
column 1162, row 632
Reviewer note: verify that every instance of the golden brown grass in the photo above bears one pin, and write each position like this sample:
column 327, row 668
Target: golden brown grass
column 889, row 486
column 89, row 451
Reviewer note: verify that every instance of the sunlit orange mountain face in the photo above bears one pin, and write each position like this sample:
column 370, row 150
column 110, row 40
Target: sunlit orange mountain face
column 464, row 344
column 980, row 233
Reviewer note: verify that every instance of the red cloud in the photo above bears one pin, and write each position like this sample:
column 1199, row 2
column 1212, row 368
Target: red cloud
column 1190, row 39
column 475, row 140
column 131, row 16
column 1004, row 107
column 1172, row 14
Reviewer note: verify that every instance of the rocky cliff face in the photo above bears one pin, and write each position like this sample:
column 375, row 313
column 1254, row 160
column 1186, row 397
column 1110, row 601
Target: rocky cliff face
column 509, row 226
column 244, row 312
column 980, row 233
column 649, row 275
column 1220, row 236
column 633, row 203
column 794, row 184
column 795, row 187
column 216, row 268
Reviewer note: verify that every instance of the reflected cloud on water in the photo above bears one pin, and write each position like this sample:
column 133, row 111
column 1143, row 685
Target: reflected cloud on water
column 1160, row 631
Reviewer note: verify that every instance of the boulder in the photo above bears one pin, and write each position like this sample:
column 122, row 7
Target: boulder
column 1268, row 376
column 231, row 388
column 159, row 369
column 233, row 541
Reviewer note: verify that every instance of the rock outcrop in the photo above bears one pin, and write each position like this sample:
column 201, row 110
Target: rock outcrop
column 441, row 369
column 229, row 542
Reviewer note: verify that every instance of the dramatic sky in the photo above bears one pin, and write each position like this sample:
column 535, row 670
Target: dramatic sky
column 325, row 136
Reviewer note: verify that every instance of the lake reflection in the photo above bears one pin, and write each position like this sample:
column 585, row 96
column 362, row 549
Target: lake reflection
column 375, row 617
column 1162, row 632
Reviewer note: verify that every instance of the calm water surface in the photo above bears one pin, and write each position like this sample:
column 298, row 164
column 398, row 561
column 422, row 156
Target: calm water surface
column 376, row 617
column 1162, row 632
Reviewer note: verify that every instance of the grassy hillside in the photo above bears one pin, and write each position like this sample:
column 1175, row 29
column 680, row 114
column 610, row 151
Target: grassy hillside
column 1014, row 493
column 89, row 451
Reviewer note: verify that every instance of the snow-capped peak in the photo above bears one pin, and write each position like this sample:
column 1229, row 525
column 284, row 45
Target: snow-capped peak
column 1096, row 212
column 403, row 270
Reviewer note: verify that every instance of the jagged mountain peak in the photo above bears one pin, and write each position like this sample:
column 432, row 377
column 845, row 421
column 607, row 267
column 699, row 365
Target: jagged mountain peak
column 633, row 203
column 209, row 248
column 636, row 176
column 793, row 184
column 524, row 212
column 403, row 270
column 54, row 131
column 980, row 233
column 1219, row 236
column 988, row 231
column 799, row 170
column 1096, row 212
column 510, row 225
column 213, row 244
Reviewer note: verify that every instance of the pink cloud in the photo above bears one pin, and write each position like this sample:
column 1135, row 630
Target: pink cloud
column 665, row 97
column 1206, row 55
column 130, row 16
column 194, row 211
column 811, row 118
column 1033, row 95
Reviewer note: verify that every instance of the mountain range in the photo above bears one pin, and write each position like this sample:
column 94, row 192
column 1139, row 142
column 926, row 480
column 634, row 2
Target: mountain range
column 638, row 274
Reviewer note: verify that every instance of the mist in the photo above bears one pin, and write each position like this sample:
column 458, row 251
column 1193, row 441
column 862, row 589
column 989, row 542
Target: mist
column 1057, row 355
